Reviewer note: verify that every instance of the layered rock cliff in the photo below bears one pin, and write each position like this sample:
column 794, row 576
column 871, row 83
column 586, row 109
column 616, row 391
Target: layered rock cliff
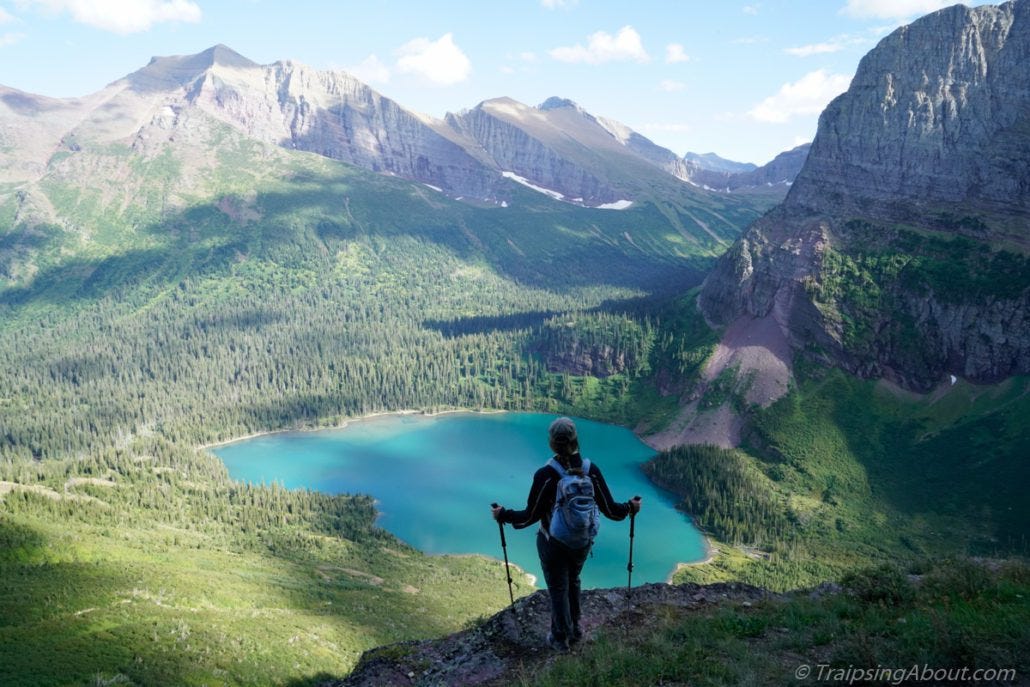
column 901, row 249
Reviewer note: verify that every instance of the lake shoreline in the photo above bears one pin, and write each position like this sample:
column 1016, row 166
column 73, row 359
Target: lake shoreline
column 348, row 422
column 709, row 549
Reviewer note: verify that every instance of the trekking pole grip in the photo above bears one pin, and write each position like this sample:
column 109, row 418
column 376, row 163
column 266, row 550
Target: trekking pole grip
column 500, row 526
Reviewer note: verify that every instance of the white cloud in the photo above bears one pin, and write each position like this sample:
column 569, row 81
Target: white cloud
column 671, row 86
column 750, row 9
column 602, row 47
column 892, row 9
column 555, row 4
column 371, row 70
column 5, row 16
column 674, row 53
column 806, row 96
column 10, row 38
column 439, row 62
column 528, row 56
column 835, row 44
column 124, row 16
column 814, row 49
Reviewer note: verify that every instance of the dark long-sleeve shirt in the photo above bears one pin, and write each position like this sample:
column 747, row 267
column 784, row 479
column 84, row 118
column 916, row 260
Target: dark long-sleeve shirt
column 543, row 492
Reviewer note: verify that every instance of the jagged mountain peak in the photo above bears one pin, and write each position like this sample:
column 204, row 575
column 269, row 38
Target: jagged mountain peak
column 176, row 70
column 556, row 103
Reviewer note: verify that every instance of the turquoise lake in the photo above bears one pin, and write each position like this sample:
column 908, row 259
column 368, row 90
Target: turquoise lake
column 434, row 478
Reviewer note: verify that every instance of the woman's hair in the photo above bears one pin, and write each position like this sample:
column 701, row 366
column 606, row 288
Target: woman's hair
column 563, row 438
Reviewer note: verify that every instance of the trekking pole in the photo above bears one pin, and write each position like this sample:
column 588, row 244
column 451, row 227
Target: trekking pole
column 629, row 566
column 507, row 568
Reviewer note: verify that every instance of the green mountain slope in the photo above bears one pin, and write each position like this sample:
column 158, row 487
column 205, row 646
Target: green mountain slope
column 844, row 473
column 147, row 565
column 224, row 286
column 202, row 297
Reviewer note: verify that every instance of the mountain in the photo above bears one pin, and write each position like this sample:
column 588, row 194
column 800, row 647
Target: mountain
column 901, row 249
column 781, row 171
column 473, row 154
column 713, row 163
column 561, row 147
column 286, row 104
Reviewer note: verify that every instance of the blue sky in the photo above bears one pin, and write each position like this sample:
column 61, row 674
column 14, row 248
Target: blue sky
column 745, row 79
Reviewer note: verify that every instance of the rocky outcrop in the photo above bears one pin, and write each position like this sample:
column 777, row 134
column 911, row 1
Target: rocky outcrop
column 580, row 360
column 900, row 250
column 514, row 640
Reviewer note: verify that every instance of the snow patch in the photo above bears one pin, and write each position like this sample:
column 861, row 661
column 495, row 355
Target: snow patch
column 953, row 380
column 529, row 184
column 504, row 203
column 617, row 205
column 435, row 188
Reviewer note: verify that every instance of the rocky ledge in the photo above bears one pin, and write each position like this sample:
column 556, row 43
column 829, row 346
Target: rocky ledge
column 513, row 642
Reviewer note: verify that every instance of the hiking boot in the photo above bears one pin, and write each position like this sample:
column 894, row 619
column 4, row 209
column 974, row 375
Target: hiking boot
column 577, row 636
column 559, row 645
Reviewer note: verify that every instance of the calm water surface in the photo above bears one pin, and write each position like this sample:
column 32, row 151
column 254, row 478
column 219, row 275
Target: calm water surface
column 435, row 477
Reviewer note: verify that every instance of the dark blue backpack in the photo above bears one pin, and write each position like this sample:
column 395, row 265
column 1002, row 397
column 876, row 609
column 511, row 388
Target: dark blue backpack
column 574, row 518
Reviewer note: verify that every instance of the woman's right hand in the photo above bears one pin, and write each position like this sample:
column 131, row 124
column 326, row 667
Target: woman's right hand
column 634, row 505
column 496, row 511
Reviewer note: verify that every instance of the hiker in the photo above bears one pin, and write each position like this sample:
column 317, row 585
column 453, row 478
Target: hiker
column 561, row 562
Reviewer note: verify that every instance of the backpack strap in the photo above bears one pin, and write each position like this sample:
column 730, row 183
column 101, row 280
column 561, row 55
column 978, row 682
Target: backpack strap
column 553, row 462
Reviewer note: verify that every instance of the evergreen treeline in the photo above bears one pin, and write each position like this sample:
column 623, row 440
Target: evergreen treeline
column 157, row 482
column 728, row 497
column 268, row 347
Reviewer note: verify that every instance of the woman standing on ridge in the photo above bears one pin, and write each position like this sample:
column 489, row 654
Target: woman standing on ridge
column 562, row 554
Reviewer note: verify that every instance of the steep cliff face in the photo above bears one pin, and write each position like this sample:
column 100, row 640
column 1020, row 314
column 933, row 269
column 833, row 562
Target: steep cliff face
column 901, row 249
column 937, row 114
